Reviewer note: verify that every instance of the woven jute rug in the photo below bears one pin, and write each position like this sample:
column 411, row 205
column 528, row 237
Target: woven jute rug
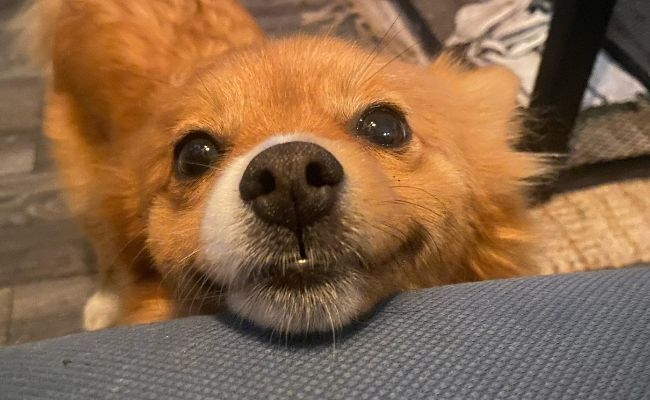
column 611, row 132
column 602, row 226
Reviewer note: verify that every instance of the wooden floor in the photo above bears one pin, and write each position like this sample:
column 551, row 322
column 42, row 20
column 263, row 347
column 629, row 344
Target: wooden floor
column 46, row 269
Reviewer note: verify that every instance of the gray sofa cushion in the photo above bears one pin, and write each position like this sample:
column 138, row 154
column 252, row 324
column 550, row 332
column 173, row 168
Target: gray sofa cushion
column 580, row 336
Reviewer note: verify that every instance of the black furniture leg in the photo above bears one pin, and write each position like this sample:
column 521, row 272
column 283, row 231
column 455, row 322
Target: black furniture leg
column 576, row 34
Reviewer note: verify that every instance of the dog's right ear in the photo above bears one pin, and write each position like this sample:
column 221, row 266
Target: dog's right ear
column 112, row 57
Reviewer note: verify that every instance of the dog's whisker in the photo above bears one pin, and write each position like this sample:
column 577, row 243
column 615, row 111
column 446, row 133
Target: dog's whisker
column 198, row 291
column 389, row 62
column 370, row 58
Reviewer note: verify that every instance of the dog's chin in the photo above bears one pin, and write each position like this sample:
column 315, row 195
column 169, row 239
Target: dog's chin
column 299, row 298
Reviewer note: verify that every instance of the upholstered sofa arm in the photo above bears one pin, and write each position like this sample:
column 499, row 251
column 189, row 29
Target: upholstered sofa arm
column 575, row 336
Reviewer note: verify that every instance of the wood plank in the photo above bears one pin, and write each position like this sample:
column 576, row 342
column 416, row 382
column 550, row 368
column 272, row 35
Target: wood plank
column 29, row 199
column 45, row 327
column 11, row 63
column 43, row 159
column 20, row 103
column 38, row 238
column 37, row 182
column 47, row 233
column 45, row 262
column 5, row 314
column 50, row 298
column 17, row 154
column 48, row 309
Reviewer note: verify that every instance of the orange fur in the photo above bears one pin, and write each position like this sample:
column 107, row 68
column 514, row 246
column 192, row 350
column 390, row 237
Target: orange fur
column 129, row 78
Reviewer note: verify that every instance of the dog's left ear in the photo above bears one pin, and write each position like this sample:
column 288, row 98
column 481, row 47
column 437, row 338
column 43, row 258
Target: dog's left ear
column 486, row 122
column 486, row 126
column 495, row 86
column 491, row 89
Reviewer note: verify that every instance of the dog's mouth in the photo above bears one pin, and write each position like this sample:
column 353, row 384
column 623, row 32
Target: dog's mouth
column 300, row 274
column 321, row 293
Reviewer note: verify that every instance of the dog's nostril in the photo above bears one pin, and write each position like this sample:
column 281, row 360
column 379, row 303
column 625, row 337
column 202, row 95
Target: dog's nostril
column 315, row 174
column 267, row 182
column 326, row 172
column 257, row 183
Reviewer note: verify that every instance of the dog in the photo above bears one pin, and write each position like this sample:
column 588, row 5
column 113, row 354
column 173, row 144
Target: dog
column 293, row 182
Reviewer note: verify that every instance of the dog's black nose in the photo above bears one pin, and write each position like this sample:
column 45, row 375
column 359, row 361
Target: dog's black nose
column 292, row 184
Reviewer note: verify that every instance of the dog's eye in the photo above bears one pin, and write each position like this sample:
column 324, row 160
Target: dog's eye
column 384, row 126
column 195, row 154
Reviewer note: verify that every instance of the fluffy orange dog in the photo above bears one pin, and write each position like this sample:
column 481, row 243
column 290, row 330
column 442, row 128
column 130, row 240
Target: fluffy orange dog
column 295, row 182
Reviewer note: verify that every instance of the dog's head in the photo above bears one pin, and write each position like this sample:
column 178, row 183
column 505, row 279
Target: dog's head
column 307, row 179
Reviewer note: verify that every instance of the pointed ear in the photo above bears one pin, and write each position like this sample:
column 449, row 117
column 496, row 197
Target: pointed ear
column 494, row 88
column 482, row 117
column 114, row 57
column 496, row 83
column 487, row 124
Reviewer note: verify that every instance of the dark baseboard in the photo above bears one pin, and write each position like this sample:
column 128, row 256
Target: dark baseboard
column 586, row 176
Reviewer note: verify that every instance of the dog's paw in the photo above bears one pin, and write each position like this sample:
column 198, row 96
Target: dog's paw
column 101, row 310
